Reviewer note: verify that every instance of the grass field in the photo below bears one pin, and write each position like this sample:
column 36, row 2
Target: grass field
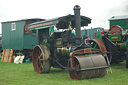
column 23, row 74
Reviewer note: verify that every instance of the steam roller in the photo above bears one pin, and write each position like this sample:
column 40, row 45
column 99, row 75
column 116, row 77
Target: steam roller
column 59, row 47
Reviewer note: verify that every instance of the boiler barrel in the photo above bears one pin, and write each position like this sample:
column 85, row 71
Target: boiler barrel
column 64, row 51
column 122, row 46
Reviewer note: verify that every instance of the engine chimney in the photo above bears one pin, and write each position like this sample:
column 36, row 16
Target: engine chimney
column 77, row 20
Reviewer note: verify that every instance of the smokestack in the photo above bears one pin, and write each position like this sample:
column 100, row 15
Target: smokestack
column 77, row 20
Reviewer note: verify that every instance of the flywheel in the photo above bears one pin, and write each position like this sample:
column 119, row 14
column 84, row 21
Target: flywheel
column 97, row 44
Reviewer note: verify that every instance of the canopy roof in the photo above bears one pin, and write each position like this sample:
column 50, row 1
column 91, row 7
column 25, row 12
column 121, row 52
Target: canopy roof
column 60, row 22
column 119, row 17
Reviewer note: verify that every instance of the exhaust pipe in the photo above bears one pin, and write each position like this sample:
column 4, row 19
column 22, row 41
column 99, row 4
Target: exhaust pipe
column 77, row 20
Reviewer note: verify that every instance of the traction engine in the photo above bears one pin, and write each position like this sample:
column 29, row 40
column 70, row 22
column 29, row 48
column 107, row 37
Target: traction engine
column 59, row 47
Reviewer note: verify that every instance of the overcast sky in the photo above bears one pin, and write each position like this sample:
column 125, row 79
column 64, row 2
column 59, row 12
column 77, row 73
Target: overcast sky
column 98, row 10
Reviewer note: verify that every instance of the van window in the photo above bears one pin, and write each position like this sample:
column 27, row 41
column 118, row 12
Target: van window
column 13, row 26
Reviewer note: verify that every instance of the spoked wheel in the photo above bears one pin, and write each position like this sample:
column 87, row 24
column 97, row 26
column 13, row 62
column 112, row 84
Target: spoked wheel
column 88, row 61
column 40, row 60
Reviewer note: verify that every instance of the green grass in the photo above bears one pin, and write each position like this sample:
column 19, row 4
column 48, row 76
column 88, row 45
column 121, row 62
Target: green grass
column 23, row 74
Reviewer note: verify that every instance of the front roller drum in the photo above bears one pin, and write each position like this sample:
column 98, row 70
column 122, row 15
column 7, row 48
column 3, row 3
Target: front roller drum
column 88, row 61
column 40, row 59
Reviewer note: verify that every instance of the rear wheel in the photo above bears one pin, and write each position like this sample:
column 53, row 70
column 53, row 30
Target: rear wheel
column 40, row 59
